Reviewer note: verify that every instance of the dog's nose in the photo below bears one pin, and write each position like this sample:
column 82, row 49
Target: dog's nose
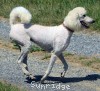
column 93, row 21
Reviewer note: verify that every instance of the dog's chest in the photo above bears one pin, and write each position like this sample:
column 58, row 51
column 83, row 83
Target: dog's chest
column 62, row 42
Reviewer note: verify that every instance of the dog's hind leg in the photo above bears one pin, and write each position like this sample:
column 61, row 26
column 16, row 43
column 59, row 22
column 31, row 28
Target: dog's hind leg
column 61, row 57
column 22, row 60
column 52, row 61
column 23, row 63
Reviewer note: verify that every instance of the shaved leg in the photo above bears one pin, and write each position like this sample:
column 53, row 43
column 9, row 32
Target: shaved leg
column 61, row 57
column 22, row 60
column 52, row 61
column 23, row 63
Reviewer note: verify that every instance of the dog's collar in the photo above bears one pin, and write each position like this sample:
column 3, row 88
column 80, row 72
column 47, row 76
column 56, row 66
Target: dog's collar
column 68, row 28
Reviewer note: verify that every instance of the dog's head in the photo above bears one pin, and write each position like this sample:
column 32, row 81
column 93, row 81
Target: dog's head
column 77, row 19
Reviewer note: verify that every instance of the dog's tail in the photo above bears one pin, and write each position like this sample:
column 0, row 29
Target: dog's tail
column 22, row 13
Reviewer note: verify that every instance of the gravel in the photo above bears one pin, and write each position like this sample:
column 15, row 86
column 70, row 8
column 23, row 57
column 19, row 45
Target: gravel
column 4, row 30
column 77, row 78
column 85, row 44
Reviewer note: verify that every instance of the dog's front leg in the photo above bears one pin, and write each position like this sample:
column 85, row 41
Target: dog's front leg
column 61, row 57
column 50, row 66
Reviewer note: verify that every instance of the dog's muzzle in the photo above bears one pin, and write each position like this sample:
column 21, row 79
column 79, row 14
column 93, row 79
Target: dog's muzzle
column 86, row 25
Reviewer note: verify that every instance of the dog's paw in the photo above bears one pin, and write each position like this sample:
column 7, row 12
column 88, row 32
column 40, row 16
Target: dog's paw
column 30, row 76
column 62, row 74
column 42, row 80
column 18, row 61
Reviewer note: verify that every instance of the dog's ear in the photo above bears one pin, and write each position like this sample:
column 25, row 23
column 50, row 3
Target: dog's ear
column 78, row 17
column 73, row 14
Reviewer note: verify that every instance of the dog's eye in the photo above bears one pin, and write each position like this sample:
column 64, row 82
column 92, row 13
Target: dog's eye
column 84, row 15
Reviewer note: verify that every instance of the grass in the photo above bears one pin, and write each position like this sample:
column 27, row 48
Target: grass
column 52, row 12
column 8, row 87
column 92, row 62
column 46, row 56
column 35, row 48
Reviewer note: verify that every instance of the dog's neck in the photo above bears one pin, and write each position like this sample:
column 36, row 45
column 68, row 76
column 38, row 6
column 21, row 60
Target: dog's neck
column 68, row 28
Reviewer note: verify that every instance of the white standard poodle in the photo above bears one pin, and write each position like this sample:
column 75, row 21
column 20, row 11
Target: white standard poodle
column 54, row 39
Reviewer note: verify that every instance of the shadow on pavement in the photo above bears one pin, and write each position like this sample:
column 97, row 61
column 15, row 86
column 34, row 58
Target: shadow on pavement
column 53, row 80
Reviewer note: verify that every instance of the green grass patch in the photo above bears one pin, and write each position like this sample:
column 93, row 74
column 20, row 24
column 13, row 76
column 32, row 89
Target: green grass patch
column 82, row 57
column 52, row 12
column 90, row 62
column 16, row 46
column 87, row 63
column 35, row 48
column 8, row 87
column 97, row 60
column 67, row 54
column 46, row 56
